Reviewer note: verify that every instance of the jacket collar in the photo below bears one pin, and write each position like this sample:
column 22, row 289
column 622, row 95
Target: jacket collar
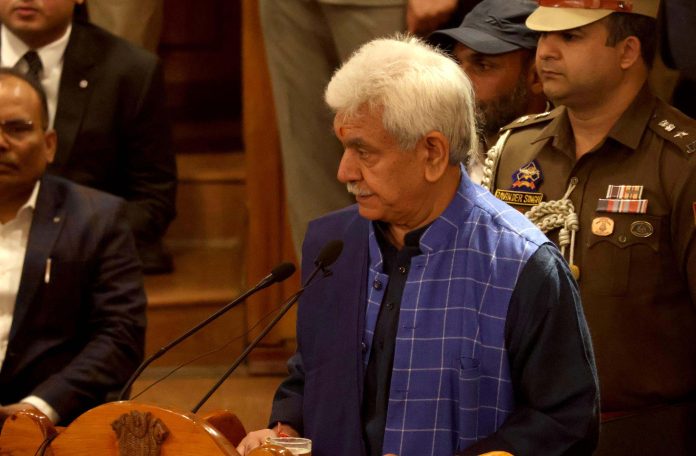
column 48, row 221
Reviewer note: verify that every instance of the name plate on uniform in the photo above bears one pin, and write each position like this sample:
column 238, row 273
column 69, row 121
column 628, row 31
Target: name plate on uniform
column 519, row 198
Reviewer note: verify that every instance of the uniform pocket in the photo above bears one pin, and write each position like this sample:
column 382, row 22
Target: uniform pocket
column 619, row 264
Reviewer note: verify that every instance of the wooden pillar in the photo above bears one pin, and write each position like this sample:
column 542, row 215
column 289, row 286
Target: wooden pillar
column 268, row 242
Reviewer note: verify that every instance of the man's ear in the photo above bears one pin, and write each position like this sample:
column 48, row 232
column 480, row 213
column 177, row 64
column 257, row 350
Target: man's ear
column 50, row 141
column 630, row 52
column 437, row 150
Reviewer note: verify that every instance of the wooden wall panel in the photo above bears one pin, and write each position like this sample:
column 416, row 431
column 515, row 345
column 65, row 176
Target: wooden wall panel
column 201, row 51
column 268, row 240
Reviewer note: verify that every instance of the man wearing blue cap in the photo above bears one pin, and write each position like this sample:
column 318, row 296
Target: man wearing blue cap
column 496, row 50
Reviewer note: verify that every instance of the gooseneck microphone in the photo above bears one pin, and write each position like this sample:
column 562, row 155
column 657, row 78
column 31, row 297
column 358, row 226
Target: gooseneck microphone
column 326, row 257
column 278, row 274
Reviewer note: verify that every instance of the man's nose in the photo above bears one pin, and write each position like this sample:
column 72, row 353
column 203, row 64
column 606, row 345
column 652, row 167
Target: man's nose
column 546, row 47
column 348, row 171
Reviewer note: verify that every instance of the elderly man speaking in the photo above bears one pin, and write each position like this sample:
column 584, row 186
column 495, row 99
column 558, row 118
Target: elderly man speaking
column 451, row 325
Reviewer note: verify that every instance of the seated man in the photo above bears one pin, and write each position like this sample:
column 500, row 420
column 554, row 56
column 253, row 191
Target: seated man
column 106, row 103
column 72, row 305
column 450, row 324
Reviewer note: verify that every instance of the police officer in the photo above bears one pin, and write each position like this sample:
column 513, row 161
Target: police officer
column 610, row 175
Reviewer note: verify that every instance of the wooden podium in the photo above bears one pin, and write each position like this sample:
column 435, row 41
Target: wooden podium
column 123, row 429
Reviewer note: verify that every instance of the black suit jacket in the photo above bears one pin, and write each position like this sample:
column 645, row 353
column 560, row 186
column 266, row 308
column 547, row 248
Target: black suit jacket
column 77, row 338
column 113, row 131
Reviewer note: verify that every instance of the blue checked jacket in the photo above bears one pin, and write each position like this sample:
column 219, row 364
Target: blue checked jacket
column 451, row 380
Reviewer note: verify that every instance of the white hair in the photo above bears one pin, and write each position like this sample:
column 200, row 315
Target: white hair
column 418, row 88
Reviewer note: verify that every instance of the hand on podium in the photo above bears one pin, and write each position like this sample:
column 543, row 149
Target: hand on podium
column 8, row 410
column 258, row 438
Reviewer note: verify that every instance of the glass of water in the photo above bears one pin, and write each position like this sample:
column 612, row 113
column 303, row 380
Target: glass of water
column 297, row 445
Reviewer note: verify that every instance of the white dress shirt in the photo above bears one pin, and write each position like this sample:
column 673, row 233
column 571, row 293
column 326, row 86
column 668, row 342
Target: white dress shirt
column 13, row 247
column 51, row 55
column 14, row 236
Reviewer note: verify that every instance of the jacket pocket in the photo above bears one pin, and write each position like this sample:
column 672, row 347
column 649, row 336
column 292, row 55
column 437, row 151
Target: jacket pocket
column 469, row 383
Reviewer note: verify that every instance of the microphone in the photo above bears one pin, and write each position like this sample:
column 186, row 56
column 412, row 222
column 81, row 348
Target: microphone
column 326, row 257
column 278, row 274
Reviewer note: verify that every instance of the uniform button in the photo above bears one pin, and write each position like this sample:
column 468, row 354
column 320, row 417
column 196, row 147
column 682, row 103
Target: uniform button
column 403, row 269
column 390, row 305
column 363, row 347
column 622, row 238
column 573, row 181
column 377, row 285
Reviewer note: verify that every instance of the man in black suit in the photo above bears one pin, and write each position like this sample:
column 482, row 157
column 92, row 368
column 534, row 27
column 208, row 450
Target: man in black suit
column 72, row 305
column 106, row 102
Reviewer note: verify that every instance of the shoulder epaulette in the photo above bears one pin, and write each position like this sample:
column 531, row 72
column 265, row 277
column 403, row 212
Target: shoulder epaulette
column 675, row 127
column 531, row 119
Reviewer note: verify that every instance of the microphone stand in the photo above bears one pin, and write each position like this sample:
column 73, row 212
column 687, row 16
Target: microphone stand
column 285, row 271
column 288, row 304
column 327, row 256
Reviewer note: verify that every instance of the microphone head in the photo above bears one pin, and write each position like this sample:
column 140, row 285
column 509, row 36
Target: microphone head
column 282, row 272
column 329, row 253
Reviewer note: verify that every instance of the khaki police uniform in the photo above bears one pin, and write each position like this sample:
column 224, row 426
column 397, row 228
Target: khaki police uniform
column 637, row 271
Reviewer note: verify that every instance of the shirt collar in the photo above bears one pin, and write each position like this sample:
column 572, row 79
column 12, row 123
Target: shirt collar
column 13, row 49
column 558, row 130
column 628, row 130
column 411, row 239
column 31, row 202
column 29, row 206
